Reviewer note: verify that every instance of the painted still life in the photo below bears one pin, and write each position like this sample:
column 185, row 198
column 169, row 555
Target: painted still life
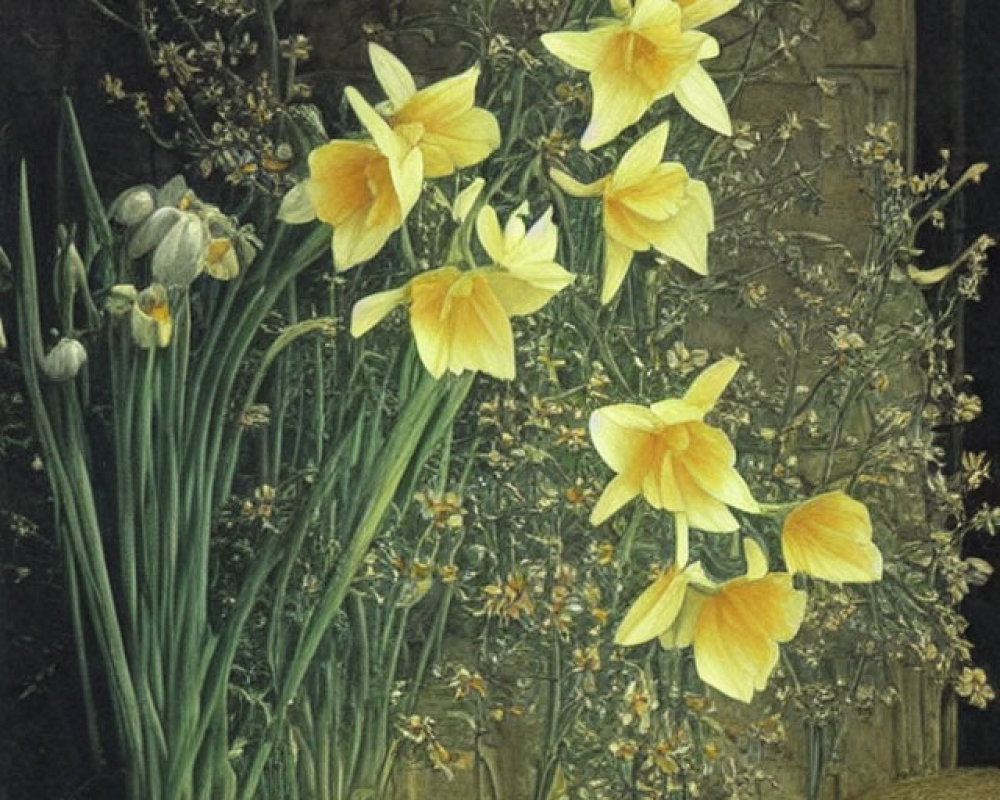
column 497, row 400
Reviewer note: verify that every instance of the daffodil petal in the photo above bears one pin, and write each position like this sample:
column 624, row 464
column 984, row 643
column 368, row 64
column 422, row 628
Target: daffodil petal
column 583, row 50
column 617, row 258
column 756, row 560
column 709, row 461
column 674, row 411
column 711, row 382
column 530, row 287
column 641, row 158
column 482, row 338
column 388, row 142
column 684, row 237
column 573, row 187
column 655, row 14
column 392, row 75
column 653, row 611
column 619, row 491
column 701, row 98
column 622, row 433
column 490, row 233
column 619, row 101
column 704, row 512
column 371, row 310
column 697, row 12
column 296, row 208
column 681, row 633
column 466, row 199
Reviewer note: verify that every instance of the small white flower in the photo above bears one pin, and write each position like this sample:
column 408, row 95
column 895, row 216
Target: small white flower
column 63, row 362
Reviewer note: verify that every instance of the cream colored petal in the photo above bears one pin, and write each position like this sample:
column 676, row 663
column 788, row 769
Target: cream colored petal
column 698, row 12
column 151, row 232
column 654, row 611
column 572, row 186
column 466, row 199
column 642, row 158
column 701, row 98
column 619, row 491
column 296, row 208
column 371, row 310
column 617, row 258
column 392, row 75
column 620, row 99
column 583, row 50
column 711, row 382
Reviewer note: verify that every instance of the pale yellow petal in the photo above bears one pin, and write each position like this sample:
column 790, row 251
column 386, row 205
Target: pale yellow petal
column 481, row 336
column 757, row 565
column 681, row 633
column 490, row 233
column 387, row 141
column 619, row 491
column 530, row 287
column 439, row 104
column 338, row 187
column 619, row 100
column 711, row 382
column 465, row 140
column 617, row 258
column 296, row 208
column 428, row 296
column 466, row 199
column 642, row 158
column 371, row 310
column 704, row 512
column 583, row 50
column 729, row 657
column 709, row 461
column 655, row 14
column 674, row 411
column 830, row 537
column 697, row 12
column 392, row 75
column 661, row 195
column 701, row 98
column 684, row 237
column 572, row 186
column 407, row 180
column 654, row 611
column 622, row 434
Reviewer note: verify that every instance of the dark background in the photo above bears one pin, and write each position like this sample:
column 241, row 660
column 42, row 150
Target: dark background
column 46, row 45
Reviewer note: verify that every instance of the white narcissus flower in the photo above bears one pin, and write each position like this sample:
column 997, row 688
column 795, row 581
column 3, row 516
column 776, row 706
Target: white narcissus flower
column 64, row 360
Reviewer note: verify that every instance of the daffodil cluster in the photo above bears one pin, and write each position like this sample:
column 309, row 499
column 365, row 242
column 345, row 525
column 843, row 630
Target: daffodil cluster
column 679, row 463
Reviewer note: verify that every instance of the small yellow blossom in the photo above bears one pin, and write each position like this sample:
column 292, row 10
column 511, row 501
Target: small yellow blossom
column 830, row 537
column 442, row 119
column 974, row 685
column 648, row 203
column 645, row 54
column 669, row 455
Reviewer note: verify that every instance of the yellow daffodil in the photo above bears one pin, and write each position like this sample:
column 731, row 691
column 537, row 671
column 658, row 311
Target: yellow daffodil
column 638, row 58
column 648, row 203
column 698, row 12
column 735, row 627
column 671, row 457
column 442, row 119
column 362, row 189
column 655, row 610
column 151, row 321
column 830, row 537
column 461, row 318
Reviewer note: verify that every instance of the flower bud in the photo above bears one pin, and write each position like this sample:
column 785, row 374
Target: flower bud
column 133, row 205
column 152, row 325
column 121, row 297
column 177, row 260
column 63, row 362
column 153, row 230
